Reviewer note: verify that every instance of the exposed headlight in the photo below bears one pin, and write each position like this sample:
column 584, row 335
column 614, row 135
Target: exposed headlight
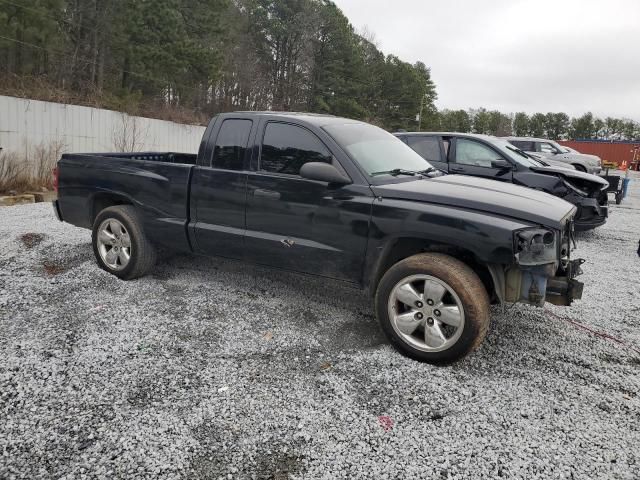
column 535, row 246
column 574, row 188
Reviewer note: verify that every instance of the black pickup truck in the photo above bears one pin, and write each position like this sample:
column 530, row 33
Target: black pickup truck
column 338, row 198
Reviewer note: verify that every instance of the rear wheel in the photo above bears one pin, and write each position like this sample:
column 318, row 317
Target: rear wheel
column 119, row 243
column 433, row 308
column 579, row 167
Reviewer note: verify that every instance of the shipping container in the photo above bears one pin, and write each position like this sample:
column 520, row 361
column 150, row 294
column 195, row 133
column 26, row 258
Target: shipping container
column 608, row 151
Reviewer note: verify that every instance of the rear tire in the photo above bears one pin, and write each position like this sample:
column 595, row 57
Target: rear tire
column 119, row 243
column 444, row 311
column 580, row 168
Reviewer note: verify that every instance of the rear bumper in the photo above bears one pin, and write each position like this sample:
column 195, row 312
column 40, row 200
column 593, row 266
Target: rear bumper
column 56, row 210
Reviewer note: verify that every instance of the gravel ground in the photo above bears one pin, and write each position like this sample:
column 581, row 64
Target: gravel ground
column 214, row 369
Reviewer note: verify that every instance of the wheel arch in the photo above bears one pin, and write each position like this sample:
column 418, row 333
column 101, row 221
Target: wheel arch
column 399, row 248
column 102, row 200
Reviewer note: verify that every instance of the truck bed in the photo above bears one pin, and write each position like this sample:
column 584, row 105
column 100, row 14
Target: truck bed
column 156, row 182
column 164, row 157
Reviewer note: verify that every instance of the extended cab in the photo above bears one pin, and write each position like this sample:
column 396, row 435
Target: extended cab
column 338, row 198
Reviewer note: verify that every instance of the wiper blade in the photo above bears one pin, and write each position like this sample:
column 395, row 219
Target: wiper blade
column 518, row 151
column 401, row 171
column 395, row 172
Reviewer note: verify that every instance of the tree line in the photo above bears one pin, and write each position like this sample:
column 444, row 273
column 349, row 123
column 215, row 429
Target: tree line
column 187, row 60
column 551, row 125
column 203, row 57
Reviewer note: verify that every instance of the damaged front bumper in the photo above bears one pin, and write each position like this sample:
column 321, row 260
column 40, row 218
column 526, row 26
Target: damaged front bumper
column 564, row 290
column 543, row 271
column 591, row 214
column 539, row 284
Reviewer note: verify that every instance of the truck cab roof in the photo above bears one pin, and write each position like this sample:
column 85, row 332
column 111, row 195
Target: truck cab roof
column 316, row 119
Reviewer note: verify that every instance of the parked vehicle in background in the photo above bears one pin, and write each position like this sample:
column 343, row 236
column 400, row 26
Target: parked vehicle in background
column 547, row 162
column 338, row 198
column 495, row 158
column 566, row 149
column 554, row 151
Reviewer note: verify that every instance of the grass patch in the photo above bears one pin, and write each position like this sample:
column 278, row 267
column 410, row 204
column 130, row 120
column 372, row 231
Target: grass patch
column 31, row 170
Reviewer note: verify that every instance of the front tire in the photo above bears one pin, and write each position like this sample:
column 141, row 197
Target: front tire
column 433, row 308
column 119, row 243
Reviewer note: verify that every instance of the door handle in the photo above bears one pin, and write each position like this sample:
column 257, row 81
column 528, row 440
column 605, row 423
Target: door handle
column 456, row 169
column 259, row 192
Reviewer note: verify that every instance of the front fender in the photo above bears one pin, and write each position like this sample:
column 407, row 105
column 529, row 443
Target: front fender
column 488, row 238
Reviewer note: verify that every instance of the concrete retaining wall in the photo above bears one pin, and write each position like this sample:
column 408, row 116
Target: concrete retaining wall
column 27, row 123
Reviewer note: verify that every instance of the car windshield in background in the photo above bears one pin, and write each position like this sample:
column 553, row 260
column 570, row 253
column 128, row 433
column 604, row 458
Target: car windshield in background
column 514, row 153
column 559, row 147
column 375, row 150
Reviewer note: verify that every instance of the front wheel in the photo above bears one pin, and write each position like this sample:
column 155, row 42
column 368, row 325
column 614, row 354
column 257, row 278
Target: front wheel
column 433, row 308
column 119, row 243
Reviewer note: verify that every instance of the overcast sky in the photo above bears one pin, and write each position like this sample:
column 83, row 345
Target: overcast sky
column 516, row 55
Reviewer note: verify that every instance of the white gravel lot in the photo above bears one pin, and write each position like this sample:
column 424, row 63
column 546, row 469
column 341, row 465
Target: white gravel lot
column 214, row 369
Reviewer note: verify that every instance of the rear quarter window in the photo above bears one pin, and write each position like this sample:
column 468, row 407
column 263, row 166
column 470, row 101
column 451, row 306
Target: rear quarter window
column 231, row 144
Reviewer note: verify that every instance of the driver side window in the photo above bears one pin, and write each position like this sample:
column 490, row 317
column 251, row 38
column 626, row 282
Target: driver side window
column 470, row 152
column 285, row 148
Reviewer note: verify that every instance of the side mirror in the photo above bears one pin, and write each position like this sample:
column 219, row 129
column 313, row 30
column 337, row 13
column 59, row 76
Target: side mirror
column 501, row 164
column 323, row 172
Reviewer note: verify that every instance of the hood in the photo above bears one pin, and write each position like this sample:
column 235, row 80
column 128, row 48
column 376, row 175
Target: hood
column 578, row 157
column 489, row 196
column 546, row 161
column 557, row 164
column 573, row 175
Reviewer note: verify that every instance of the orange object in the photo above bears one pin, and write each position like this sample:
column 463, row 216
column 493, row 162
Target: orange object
column 623, row 165
column 612, row 152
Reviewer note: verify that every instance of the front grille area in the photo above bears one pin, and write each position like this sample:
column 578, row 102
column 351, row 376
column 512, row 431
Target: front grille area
column 603, row 199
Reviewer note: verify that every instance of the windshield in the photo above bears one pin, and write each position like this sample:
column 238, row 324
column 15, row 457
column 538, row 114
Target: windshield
column 376, row 150
column 538, row 161
column 514, row 153
column 560, row 148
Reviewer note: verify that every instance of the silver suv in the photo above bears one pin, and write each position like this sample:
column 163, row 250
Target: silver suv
column 554, row 151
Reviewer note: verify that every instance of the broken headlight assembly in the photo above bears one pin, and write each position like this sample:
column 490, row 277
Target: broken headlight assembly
column 544, row 271
column 535, row 246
